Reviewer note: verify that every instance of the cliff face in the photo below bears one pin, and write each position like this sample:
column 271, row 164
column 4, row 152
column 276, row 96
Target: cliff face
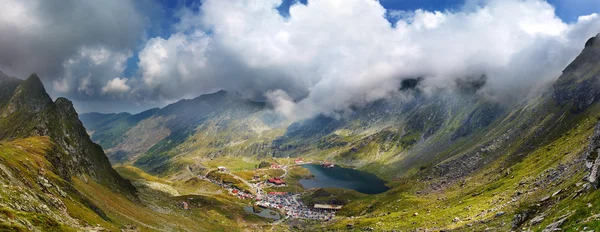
column 592, row 159
column 579, row 85
column 30, row 112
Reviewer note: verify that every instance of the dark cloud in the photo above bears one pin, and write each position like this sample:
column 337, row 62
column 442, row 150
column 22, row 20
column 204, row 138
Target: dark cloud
column 74, row 45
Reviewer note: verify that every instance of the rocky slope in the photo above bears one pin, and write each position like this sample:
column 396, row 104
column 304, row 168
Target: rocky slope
column 580, row 82
column 31, row 112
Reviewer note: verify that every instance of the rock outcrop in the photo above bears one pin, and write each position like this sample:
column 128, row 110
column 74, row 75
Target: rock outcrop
column 580, row 82
column 592, row 158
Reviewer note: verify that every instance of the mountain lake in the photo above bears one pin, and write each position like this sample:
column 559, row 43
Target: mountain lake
column 346, row 178
column 265, row 213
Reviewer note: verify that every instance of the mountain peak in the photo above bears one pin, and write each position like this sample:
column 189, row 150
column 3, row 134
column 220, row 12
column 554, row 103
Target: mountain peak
column 580, row 81
column 593, row 41
column 29, row 96
column 34, row 85
column 66, row 106
column 220, row 93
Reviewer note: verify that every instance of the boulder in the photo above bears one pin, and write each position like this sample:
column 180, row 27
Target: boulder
column 592, row 158
column 556, row 224
column 536, row 220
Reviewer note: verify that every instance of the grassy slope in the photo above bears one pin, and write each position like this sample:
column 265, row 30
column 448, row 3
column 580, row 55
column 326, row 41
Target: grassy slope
column 21, row 162
column 474, row 199
column 26, row 204
column 504, row 185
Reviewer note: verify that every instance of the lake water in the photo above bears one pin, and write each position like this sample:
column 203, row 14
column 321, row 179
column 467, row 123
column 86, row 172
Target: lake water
column 345, row 178
column 265, row 213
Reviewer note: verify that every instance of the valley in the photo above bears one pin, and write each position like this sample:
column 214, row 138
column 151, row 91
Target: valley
column 450, row 161
column 285, row 115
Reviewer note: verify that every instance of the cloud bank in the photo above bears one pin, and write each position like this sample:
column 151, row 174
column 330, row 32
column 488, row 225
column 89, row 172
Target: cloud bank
column 330, row 55
column 324, row 58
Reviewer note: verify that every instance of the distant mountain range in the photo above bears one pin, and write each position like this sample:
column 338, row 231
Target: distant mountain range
column 431, row 134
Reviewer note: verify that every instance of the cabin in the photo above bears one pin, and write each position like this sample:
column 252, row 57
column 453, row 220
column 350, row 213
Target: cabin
column 275, row 166
column 299, row 161
column 186, row 206
column 327, row 165
column 222, row 169
column 276, row 181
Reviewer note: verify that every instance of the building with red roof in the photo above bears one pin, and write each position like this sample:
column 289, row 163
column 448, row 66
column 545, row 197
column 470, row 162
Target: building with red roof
column 276, row 181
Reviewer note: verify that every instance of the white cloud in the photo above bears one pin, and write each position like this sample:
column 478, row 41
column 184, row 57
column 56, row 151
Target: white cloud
column 90, row 68
column 117, row 85
column 590, row 17
column 61, row 85
column 333, row 54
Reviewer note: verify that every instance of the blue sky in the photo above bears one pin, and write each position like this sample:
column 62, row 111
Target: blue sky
column 567, row 10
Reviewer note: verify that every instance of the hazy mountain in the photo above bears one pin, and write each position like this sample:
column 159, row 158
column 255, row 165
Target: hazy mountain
column 110, row 128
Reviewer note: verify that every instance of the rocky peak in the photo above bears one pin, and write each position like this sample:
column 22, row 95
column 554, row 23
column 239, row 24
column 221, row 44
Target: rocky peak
column 31, row 112
column 66, row 106
column 30, row 96
column 592, row 41
column 580, row 82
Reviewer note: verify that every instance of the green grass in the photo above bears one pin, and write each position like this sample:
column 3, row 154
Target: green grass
column 134, row 173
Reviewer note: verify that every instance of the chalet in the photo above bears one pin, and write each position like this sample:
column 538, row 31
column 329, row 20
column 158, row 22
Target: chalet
column 299, row 161
column 328, row 165
column 276, row 181
column 222, row 169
